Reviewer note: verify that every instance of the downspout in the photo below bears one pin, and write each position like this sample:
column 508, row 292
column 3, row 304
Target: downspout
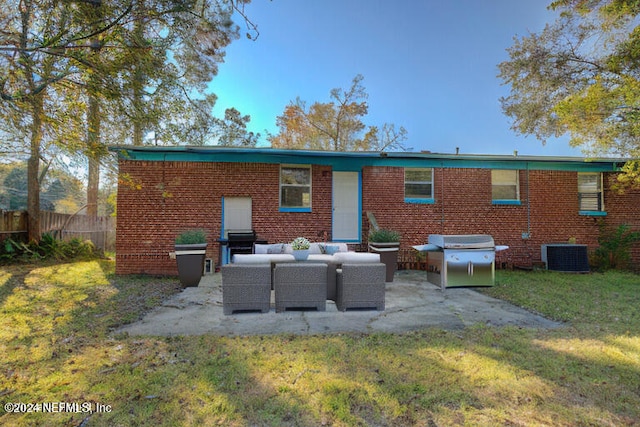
column 528, row 206
column 442, row 219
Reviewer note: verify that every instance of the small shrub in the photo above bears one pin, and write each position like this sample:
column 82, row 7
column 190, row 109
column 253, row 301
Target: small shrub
column 384, row 236
column 191, row 237
column 614, row 251
column 48, row 248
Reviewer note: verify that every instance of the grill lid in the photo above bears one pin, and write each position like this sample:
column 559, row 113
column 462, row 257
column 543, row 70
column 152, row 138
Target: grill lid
column 462, row 241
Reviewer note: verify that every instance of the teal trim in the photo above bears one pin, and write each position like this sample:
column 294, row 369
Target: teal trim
column 359, row 207
column 284, row 209
column 356, row 160
column 415, row 200
column 506, row 202
column 593, row 213
column 222, row 218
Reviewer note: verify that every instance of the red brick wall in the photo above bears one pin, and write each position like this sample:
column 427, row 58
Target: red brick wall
column 158, row 200
column 463, row 205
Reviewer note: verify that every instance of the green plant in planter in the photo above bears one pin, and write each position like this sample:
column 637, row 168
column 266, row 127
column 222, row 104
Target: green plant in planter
column 300, row 243
column 386, row 243
column 191, row 237
column 191, row 249
column 383, row 235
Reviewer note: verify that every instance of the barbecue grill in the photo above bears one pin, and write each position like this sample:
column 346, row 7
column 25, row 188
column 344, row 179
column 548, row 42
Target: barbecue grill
column 461, row 260
column 240, row 242
column 237, row 242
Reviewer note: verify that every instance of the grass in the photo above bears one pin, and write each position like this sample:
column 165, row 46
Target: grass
column 58, row 344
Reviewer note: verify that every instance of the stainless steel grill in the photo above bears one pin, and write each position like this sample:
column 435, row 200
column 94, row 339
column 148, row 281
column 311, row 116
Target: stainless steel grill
column 460, row 260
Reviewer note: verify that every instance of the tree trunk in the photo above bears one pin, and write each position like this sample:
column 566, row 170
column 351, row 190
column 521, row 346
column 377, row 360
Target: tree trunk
column 33, row 170
column 139, row 78
column 94, row 150
column 93, row 143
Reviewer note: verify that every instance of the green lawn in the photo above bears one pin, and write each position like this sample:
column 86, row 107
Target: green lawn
column 57, row 345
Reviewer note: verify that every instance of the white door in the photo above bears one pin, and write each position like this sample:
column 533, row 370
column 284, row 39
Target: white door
column 236, row 214
column 346, row 206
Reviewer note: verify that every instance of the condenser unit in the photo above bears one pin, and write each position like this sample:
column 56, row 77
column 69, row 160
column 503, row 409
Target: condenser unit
column 566, row 257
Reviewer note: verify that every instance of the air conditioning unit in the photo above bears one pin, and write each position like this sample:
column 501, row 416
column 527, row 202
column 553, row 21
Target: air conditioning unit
column 566, row 257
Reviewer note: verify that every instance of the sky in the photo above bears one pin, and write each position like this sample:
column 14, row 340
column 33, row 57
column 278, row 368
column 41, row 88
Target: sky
column 430, row 66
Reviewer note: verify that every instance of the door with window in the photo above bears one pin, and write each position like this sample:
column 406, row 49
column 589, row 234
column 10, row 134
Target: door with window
column 347, row 207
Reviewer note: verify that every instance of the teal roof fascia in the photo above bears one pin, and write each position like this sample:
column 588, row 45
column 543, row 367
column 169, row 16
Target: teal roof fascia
column 354, row 161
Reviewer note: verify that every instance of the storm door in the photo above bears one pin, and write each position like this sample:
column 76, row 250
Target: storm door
column 346, row 207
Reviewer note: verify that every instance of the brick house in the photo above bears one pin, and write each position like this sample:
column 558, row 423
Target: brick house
column 522, row 201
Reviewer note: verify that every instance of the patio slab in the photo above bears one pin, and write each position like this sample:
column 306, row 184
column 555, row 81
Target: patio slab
column 411, row 303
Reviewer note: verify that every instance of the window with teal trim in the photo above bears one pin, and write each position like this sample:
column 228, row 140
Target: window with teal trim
column 295, row 188
column 590, row 198
column 418, row 185
column 505, row 187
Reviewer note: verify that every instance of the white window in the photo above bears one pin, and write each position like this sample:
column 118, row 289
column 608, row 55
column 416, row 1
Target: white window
column 295, row 188
column 418, row 185
column 590, row 192
column 505, row 186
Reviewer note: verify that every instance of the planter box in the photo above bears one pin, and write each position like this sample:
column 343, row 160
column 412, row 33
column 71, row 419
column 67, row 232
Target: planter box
column 388, row 256
column 190, row 259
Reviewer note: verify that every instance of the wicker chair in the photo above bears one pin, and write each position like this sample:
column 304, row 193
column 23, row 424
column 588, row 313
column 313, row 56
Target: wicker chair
column 300, row 285
column 246, row 287
column 361, row 286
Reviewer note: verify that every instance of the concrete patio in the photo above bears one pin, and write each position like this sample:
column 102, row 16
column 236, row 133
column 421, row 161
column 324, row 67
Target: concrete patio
column 411, row 303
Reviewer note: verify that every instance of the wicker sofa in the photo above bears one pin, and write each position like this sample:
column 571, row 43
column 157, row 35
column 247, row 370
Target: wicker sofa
column 361, row 286
column 249, row 279
column 300, row 285
column 246, row 287
column 280, row 253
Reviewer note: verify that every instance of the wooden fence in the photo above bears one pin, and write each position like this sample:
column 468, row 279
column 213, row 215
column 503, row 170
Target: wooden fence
column 101, row 230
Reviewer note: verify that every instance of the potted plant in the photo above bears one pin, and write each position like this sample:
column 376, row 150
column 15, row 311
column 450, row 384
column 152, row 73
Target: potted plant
column 386, row 243
column 191, row 249
column 300, row 247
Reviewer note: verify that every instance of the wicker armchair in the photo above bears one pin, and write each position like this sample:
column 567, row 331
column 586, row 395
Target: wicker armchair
column 361, row 286
column 300, row 285
column 246, row 287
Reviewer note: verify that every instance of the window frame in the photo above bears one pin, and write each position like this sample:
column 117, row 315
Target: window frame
column 516, row 184
column 281, row 185
column 419, row 200
column 599, row 192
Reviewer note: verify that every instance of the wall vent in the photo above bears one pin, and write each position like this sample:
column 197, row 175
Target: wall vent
column 208, row 266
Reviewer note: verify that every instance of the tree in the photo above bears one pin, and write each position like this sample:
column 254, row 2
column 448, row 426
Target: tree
column 144, row 63
column 336, row 125
column 232, row 130
column 580, row 76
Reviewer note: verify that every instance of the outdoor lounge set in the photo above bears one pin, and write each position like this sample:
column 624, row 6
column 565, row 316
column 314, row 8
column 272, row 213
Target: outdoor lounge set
column 330, row 272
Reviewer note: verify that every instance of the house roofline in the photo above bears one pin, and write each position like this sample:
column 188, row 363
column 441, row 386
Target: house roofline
column 354, row 160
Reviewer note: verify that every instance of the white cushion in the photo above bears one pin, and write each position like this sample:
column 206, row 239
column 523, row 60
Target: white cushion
column 251, row 259
column 356, row 257
column 261, row 258
column 321, row 258
column 277, row 248
column 282, row 258
column 342, row 247
column 315, row 249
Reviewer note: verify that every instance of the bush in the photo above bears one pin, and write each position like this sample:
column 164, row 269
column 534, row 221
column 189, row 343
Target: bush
column 48, row 248
column 191, row 237
column 384, row 236
column 614, row 251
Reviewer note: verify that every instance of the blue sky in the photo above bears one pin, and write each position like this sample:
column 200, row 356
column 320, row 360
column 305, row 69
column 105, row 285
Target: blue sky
column 428, row 65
